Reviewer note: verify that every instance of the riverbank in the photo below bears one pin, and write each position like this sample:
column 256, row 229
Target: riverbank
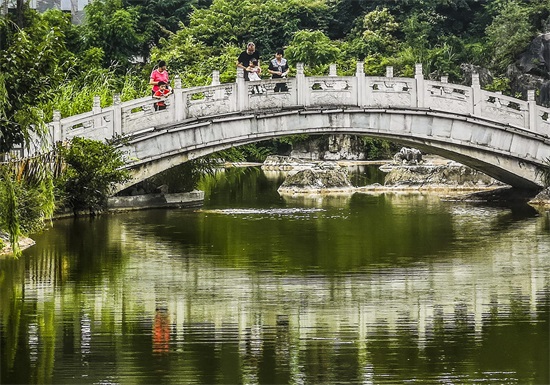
column 189, row 199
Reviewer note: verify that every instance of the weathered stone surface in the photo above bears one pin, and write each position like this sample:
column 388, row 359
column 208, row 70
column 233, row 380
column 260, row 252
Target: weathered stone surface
column 542, row 198
column 277, row 162
column 331, row 147
column 485, row 76
column 344, row 147
column 317, row 180
column 532, row 70
column 407, row 156
column 536, row 59
column 452, row 175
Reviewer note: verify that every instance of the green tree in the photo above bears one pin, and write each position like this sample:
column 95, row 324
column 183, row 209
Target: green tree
column 93, row 168
column 374, row 35
column 313, row 48
column 34, row 62
column 269, row 23
column 114, row 28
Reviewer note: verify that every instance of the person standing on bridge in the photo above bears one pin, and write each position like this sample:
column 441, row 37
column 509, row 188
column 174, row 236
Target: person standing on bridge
column 278, row 68
column 246, row 57
column 160, row 74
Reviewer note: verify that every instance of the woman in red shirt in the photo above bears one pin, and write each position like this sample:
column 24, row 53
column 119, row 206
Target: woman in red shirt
column 159, row 75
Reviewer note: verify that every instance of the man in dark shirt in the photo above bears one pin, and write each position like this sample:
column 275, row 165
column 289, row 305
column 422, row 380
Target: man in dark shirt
column 246, row 57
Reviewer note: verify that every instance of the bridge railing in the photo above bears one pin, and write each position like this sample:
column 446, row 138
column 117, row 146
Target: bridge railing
column 444, row 96
column 540, row 117
column 360, row 91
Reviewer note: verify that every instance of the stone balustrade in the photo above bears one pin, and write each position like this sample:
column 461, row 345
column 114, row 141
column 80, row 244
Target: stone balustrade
column 331, row 91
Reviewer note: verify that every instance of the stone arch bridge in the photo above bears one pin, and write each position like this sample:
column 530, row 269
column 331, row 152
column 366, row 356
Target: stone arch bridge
column 504, row 137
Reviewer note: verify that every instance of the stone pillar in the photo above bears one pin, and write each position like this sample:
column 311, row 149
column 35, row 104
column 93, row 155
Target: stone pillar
column 389, row 72
column 56, row 131
column 180, row 104
column 302, row 92
column 361, row 85
column 117, row 115
column 419, row 80
column 215, row 78
column 476, row 95
column 444, row 79
column 531, row 119
column 332, row 70
column 96, row 110
column 242, row 91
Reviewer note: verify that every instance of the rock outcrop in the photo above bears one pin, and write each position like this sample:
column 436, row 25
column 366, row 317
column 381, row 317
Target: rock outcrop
column 453, row 175
column 326, row 177
column 331, row 147
column 285, row 163
column 530, row 72
column 542, row 198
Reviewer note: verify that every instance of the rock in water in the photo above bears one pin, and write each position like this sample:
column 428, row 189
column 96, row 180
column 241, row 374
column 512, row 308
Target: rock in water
column 317, row 180
column 452, row 175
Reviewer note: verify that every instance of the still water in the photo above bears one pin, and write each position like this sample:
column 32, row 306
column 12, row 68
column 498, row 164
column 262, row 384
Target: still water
column 255, row 288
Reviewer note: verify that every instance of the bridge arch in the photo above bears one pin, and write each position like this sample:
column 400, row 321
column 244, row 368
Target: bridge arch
column 504, row 137
column 504, row 154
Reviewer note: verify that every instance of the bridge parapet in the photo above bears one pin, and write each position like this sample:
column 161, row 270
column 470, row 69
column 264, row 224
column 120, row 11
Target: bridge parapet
column 360, row 91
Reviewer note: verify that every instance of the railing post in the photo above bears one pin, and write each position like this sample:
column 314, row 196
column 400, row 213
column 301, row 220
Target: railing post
column 302, row 95
column 215, row 78
column 56, row 129
column 332, row 70
column 180, row 105
column 419, row 80
column 96, row 110
column 361, row 86
column 476, row 95
column 219, row 93
column 389, row 71
column 117, row 115
column 242, row 91
column 531, row 121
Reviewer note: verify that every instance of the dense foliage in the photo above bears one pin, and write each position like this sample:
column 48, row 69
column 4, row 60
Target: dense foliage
column 92, row 169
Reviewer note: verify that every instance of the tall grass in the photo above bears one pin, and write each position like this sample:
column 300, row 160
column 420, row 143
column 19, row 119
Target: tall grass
column 76, row 96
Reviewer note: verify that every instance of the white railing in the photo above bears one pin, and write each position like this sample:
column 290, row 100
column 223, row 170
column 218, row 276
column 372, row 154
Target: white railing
column 359, row 91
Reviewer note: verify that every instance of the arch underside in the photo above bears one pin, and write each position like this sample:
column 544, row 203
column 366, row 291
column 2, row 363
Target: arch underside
column 501, row 153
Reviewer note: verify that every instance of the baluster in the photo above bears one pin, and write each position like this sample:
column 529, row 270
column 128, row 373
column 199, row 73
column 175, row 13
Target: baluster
column 180, row 107
column 419, row 85
column 242, row 91
column 531, row 118
column 302, row 89
column 360, row 75
column 96, row 110
column 117, row 116
column 476, row 95
column 56, row 131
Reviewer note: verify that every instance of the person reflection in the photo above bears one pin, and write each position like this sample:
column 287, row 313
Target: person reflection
column 161, row 331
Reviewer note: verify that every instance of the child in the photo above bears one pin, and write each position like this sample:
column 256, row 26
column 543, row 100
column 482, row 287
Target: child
column 161, row 94
column 254, row 72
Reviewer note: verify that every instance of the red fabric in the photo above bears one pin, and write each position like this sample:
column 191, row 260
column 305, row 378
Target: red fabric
column 157, row 76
